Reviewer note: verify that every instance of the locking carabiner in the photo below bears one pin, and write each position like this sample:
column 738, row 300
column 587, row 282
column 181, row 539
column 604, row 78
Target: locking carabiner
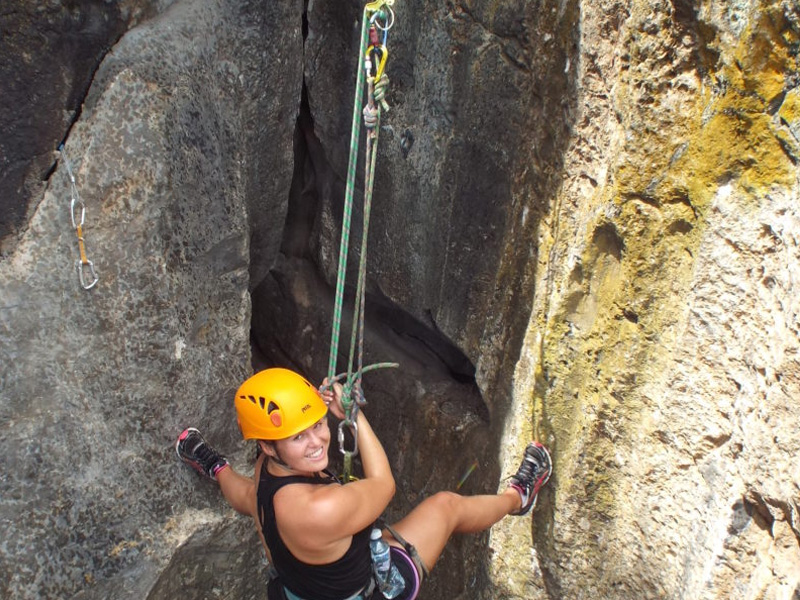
column 353, row 430
column 382, row 54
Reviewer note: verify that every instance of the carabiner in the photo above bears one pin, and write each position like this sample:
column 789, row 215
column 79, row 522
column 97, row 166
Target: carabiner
column 384, row 54
column 75, row 202
column 82, row 267
column 388, row 23
column 354, row 430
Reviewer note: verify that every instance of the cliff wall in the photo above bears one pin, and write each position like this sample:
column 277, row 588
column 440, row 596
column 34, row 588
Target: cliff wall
column 585, row 230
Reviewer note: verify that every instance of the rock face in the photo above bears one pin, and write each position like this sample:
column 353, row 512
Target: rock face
column 585, row 230
column 464, row 172
column 97, row 384
column 49, row 53
column 662, row 353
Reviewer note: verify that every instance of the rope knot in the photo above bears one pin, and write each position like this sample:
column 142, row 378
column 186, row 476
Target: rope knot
column 381, row 87
column 371, row 116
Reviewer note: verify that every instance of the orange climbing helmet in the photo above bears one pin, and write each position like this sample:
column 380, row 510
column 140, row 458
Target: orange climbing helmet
column 276, row 404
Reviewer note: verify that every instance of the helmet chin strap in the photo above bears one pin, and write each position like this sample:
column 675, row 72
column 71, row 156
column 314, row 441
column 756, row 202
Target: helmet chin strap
column 279, row 460
column 275, row 455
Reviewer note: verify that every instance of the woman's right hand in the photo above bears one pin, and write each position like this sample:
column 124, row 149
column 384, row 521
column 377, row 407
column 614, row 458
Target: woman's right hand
column 332, row 396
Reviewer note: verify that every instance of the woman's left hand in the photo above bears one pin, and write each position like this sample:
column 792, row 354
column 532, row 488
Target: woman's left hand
column 332, row 396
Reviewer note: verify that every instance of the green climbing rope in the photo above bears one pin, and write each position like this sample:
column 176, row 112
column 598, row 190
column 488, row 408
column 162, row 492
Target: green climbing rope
column 378, row 15
column 355, row 133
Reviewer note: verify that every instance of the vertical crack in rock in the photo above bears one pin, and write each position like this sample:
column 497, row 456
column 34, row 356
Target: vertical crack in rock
column 296, row 285
column 294, row 301
column 430, row 414
column 48, row 59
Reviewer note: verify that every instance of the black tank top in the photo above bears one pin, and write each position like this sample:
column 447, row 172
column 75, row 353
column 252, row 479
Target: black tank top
column 332, row 581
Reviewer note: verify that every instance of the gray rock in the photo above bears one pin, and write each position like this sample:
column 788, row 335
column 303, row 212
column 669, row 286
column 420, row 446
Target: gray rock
column 183, row 123
column 452, row 235
column 584, row 230
column 49, row 53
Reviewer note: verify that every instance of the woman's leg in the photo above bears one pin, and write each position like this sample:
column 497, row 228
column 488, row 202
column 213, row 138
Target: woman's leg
column 430, row 525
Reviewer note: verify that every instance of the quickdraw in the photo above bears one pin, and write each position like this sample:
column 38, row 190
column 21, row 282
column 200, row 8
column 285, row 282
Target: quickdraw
column 86, row 273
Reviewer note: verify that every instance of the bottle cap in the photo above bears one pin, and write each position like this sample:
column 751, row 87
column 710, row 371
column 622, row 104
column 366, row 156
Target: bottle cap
column 375, row 534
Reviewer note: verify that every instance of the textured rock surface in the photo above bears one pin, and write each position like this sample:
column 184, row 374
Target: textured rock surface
column 468, row 152
column 662, row 354
column 585, row 230
column 464, row 169
column 96, row 385
column 49, row 52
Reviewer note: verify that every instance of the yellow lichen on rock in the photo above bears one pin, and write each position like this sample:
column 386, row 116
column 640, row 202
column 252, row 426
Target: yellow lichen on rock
column 789, row 111
column 763, row 56
column 684, row 138
column 737, row 140
column 687, row 144
column 698, row 110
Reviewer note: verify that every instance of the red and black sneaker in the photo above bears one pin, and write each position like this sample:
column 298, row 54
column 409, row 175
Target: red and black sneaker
column 533, row 473
column 198, row 454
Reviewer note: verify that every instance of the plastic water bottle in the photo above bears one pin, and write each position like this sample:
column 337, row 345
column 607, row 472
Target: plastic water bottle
column 390, row 581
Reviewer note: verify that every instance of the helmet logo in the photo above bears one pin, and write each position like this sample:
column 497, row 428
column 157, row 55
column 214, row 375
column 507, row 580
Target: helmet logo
column 276, row 419
column 306, row 407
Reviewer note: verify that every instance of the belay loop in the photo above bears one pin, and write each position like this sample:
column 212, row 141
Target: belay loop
column 377, row 16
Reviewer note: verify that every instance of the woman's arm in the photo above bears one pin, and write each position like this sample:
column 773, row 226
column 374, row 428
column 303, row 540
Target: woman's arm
column 238, row 490
column 332, row 511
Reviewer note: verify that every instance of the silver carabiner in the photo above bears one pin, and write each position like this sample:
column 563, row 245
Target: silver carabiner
column 354, row 430
column 83, row 267
column 75, row 202
column 389, row 20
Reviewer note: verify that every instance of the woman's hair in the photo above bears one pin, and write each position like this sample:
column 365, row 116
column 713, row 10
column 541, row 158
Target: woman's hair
column 272, row 444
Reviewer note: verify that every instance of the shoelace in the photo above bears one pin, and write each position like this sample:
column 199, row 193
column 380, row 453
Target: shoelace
column 206, row 456
column 528, row 471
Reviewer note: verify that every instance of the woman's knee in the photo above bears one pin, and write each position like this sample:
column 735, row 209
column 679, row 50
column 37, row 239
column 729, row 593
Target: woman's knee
column 446, row 499
column 446, row 503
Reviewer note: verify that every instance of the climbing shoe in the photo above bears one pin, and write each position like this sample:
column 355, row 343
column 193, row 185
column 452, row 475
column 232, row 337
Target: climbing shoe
column 533, row 473
column 198, row 454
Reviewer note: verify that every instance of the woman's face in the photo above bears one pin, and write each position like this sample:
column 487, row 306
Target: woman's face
column 307, row 451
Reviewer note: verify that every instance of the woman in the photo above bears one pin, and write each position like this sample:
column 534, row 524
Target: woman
column 316, row 530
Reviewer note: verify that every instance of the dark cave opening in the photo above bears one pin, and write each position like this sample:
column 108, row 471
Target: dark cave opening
column 278, row 318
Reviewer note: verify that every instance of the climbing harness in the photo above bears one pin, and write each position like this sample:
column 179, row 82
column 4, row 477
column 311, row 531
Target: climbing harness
column 86, row 273
column 373, row 52
column 407, row 546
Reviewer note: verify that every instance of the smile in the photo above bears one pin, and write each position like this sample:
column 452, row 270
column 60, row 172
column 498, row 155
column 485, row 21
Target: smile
column 317, row 454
